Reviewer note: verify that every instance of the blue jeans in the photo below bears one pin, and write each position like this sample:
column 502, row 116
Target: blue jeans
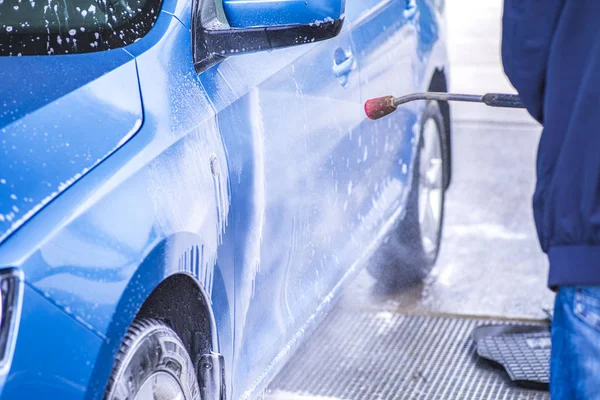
column 575, row 360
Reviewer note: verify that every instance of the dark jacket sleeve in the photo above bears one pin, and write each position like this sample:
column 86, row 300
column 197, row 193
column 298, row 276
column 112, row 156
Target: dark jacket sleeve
column 527, row 30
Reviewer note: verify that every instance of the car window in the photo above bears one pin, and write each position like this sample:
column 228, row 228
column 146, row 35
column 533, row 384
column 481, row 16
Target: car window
column 29, row 27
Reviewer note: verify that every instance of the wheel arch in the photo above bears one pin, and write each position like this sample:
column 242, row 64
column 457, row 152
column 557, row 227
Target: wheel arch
column 169, row 285
column 439, row 83
column 183, row 304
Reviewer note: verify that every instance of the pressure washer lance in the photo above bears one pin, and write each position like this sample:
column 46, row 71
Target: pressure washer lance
column 382, row 106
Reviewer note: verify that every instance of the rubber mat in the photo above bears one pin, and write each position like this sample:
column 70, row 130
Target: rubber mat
column 523, row 351
column 382, row 355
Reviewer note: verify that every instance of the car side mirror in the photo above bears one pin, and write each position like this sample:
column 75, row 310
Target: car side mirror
column 223, row 28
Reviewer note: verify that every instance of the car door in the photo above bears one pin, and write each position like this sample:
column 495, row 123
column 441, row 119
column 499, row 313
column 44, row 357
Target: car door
column 292, row 137
column 386, row 41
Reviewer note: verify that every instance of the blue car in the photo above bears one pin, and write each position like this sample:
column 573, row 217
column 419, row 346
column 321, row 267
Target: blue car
column 185, row 185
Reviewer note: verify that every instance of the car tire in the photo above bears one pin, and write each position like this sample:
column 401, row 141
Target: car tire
column 410, row 251
column 152, row 363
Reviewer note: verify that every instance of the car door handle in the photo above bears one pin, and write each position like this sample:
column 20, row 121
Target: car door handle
column 343, row 64
column 343, row 67
column 410, row 8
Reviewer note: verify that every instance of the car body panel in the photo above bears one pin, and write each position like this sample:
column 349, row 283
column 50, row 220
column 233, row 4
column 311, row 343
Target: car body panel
column 287, row 138
column 52, row 138
column 386, row 41
column 47, row 337
column 259, row 178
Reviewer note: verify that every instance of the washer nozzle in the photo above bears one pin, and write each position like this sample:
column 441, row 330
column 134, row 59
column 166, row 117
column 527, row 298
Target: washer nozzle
column 382, row 106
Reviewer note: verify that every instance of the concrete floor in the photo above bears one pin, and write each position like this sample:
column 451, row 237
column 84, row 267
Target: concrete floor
column 490, row 263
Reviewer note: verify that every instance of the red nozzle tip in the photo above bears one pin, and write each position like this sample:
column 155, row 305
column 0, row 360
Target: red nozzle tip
column 380, row 107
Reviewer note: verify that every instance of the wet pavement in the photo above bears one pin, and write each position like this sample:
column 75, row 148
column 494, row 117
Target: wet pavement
column 490, row 263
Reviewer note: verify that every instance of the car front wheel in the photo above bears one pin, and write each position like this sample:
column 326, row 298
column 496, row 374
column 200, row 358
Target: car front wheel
column 152, row 364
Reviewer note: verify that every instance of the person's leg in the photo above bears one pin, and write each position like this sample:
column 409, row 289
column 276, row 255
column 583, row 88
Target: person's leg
column 575, row 360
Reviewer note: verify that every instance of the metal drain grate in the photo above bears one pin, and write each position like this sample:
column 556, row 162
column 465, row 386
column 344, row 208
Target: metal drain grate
column 383, row 355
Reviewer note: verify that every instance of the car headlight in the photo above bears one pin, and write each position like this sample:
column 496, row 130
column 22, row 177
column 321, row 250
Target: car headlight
column 11, row 299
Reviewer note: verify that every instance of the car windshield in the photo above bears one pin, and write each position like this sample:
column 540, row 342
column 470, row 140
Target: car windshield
column 72, row 26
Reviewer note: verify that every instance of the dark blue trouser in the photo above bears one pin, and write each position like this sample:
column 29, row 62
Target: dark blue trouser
column 575, row 361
